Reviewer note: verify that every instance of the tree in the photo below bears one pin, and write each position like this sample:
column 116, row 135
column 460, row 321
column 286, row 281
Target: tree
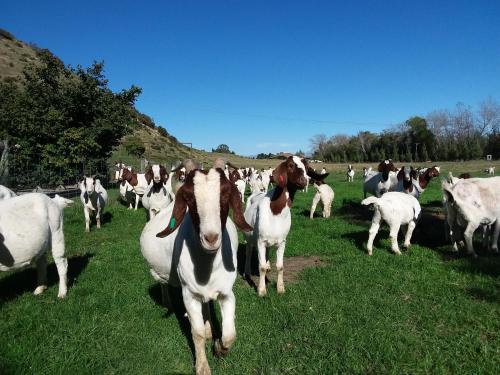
column 62, row 118
column 134, row 146
column 425, row 154
column 222, row 148
column 488, row 116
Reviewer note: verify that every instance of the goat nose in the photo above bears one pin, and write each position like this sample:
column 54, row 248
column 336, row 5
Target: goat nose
column 211, row 238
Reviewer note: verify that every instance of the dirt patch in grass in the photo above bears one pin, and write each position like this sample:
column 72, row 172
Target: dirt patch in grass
column 293, row 266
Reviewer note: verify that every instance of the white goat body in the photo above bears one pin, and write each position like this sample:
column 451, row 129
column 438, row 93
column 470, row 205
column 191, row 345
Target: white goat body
column 6, row 193
column 396, row 209
column 325, row 194
column 94, row 198
column 470, row 203
column 29, row 225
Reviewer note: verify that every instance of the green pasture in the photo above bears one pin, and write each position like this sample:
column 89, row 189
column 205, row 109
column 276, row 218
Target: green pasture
column 428, row 311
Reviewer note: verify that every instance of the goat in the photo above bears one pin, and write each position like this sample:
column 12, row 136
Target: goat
column 156, row 197
column 269, row 214
column 94, row 198
column 350, row 173
column 324, row 193
column 6, row 193
column 490, row 170
column 470, row 203
column 29, row 225
column 395, row 208
column 137, row 181
column 255, row 182
column 420, row 183
column 236, row 177
column 197, row 251
column 377, row 183
column 366, row 171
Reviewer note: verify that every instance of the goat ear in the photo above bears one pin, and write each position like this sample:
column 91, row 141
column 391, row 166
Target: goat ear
column 238, row 218
column 180, row 207
column 280, row 175
column 316, row 176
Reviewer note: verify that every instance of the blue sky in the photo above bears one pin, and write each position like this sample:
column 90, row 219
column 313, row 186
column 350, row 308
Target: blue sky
column 265, row 76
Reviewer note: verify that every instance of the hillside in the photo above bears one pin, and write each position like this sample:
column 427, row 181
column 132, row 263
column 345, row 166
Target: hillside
column 14, row 55
column 159, row 145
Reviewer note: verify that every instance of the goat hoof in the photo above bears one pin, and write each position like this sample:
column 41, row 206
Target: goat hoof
column 219, row 349
column 280, row 289
column 262, row 292
column 203, row 369
column 62, row 294
column 397, row 252
column 40, row 289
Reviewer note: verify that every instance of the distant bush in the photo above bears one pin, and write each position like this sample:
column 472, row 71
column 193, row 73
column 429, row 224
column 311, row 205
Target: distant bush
column 134, row 145
column 146, row 120
column 162, row 131
column 5, row 34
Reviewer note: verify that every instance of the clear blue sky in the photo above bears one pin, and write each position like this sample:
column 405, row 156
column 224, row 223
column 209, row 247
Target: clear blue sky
column 265, row 76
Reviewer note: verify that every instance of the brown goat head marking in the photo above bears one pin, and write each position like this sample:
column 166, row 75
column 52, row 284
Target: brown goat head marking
column 185, row 198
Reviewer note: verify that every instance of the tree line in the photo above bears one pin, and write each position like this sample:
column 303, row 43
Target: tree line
column 60, row 118
column 458, row 134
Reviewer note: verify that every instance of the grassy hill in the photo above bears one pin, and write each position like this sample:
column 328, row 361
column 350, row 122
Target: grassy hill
column 159, row 145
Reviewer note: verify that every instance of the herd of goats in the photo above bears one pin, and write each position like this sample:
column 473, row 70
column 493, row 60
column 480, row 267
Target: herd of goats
column 190, row 241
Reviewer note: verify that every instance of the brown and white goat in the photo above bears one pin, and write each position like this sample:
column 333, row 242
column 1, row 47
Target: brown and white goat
column 197, row 251
column 269, row 214
column 156, row 197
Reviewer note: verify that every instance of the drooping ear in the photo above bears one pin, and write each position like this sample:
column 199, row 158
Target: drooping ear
column 316, row 176
column 180, row 207
column 280, row 175
column 163, row 174
column 149, row 174
column 235, row 203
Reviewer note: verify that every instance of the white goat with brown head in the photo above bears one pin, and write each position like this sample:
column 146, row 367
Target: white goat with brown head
column 197, row 251
column 269, row 214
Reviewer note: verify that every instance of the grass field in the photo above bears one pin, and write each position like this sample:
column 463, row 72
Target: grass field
column 427, row 311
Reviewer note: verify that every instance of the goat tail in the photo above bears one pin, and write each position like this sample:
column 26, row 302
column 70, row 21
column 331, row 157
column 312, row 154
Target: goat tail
column 62, row 202
column 369, row 200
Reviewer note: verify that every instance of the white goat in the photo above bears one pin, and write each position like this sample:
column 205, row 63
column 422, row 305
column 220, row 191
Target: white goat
column 378, row 183
column 350, row 173
column 29, row 225
column 324, row 194
column 270, row 216
column 6, row 193
column 470, row 203
column 137, row 182
column 199, row 253
column 396, row 209
column 94, row 197
column 156, row 197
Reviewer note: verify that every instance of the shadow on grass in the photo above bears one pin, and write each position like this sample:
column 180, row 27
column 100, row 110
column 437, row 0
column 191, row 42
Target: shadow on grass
column 25, row 280
column 353, row 211
column 176, row 307
column 361, row 238
column 254, row 269
column 491, row 296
